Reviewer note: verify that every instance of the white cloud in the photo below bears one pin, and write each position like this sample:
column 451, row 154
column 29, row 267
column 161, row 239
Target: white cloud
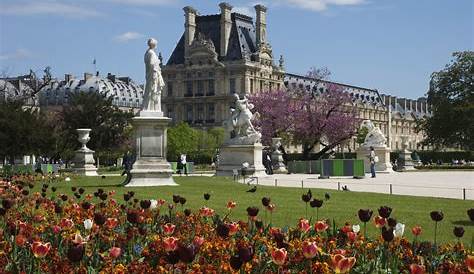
column 128, row 36
column 47, row 7
column 320, row 5
column 17, row 54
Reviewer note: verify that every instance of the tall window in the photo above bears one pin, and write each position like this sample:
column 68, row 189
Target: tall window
column 189, row 89
column 170, row 110
column 232, row 86
column 170, row 88
column 200, row 113
column 189, row 113
column 210, row 113
column 200, row 88
column 210, row 90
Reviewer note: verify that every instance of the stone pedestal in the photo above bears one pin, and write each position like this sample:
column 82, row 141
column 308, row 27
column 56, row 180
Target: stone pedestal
column 383, row 165
column 405, row 162
column 277, row 157
column 151, row 167
column 84, row 158
column 231, row 157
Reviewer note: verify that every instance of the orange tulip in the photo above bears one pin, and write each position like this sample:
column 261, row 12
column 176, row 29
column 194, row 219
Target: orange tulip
column 168, row 228
column 416, row 230
column 20, row 240
column 342, row 264
column 111, row 223
column 310, row 249
column 417, row 269
column 304, row 225
column 231, row 205
column 321, row 226
column 279, row 256
column 380, row 221
column 470, row 263
column 39, row 249
column 170, row 244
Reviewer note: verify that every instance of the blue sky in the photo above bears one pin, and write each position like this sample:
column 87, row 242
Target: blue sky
column 390, row 45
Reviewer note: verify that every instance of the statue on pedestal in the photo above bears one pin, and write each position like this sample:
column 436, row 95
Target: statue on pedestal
column 374, row 137
column 154, row 81
column 240, row 123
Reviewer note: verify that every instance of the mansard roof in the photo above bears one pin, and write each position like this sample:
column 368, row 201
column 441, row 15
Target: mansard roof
column 358, row 94
column 242, row 40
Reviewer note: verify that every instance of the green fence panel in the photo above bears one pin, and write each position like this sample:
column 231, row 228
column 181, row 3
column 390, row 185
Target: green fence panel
column 337, row 167
column 359, row 168
column 189, row 166
column 315, row 166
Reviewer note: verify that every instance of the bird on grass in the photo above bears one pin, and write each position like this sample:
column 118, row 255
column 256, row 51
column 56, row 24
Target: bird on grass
column 252, row 190
column 345, row 188
column 103, row 176
column 327, row 196
column 310, row 194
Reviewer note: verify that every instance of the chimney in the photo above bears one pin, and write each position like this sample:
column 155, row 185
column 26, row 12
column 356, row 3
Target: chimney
column 261, row 24
column 189, row 27
column 87, row 76
column 226, row 25
column 68, row 77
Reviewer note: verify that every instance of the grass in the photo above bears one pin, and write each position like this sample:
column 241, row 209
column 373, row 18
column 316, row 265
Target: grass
column 342, row 206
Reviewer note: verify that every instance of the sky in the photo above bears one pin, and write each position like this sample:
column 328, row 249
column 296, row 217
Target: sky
column 389, row 45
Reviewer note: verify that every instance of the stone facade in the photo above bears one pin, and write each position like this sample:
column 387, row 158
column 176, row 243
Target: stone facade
column 219, row 55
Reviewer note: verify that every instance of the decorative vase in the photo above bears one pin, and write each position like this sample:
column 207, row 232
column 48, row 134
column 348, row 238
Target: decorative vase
column 83, row 137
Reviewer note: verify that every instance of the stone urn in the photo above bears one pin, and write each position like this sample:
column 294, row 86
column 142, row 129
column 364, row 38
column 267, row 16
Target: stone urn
column 83, row 137
column 277, row 157
column 405, row 162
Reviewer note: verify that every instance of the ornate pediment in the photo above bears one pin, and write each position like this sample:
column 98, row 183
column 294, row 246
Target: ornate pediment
column 202, row 48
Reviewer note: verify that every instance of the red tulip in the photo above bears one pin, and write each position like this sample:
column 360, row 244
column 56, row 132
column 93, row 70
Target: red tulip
column 342, row 264
column 470, row 263
column 66, row 223
column 304, row 225
column 321, row 226
column 111, row 223
column 39, row 249
column 198, row 241
column 351, row 236
column 310, row 249
column 271, row 207
column 206, row 212
column 168, row 228
column 170, row 244
column 380, row 221
column 417, row 269
column 416, row 230
column 279, row 256
column 20, row 240
column 114, row 252
column 233, row 228
column 231, row 205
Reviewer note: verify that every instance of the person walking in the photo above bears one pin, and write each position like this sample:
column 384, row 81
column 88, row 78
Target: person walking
column 183, row 164
column 127, row 163
column 373, row 160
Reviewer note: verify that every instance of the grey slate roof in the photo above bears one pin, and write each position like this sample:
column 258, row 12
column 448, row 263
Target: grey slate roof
column 242, row 39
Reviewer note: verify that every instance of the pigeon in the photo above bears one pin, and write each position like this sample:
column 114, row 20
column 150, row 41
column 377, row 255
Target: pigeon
column 253, row 189
column 345, row 188
column 103, row 176
column 327, row 196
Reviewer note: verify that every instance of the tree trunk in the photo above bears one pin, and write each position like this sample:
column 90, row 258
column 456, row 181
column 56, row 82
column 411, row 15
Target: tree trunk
column 307, row 150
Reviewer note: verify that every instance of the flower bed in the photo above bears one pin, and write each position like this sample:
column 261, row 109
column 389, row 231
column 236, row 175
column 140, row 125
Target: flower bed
column 92, row 232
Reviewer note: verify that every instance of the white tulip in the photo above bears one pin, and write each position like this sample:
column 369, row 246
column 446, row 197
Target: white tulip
column 356, row 228
column 67, row 179
column 154, row 204
column 399, row 229
column 88, row 224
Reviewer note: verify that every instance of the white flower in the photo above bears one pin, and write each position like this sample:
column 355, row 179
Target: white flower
column 245, row 165
column 399, row 229
column 67, row 179
column 57, row 175
column 356, row 228
column 88, row 224
column 154, row 204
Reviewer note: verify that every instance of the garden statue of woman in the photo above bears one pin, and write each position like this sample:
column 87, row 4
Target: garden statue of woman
column 154, row 81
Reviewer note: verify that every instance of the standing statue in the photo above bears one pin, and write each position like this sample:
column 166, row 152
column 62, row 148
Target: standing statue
column 240, row 125
column 154, row 81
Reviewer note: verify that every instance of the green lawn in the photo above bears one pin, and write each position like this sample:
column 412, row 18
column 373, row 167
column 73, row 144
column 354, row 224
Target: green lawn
column 342, row 206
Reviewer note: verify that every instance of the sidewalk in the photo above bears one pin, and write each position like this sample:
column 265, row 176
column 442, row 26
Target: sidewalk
column 449, row 184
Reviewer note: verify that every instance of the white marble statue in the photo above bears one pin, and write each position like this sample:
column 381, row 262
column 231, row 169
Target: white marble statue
column 374, row 137
column 154, row 81
column 240, row 122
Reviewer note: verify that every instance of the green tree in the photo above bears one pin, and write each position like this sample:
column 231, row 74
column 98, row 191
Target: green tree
column 24, row 131
column 451, row 96
column 110, row 126
column 181, row 139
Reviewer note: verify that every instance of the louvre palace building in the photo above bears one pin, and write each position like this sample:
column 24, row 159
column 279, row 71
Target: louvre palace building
column 216, row 57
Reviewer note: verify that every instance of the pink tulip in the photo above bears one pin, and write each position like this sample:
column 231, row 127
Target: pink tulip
column 279, row 256
column 310, row 249
column 304, row 225
column 114, row 252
